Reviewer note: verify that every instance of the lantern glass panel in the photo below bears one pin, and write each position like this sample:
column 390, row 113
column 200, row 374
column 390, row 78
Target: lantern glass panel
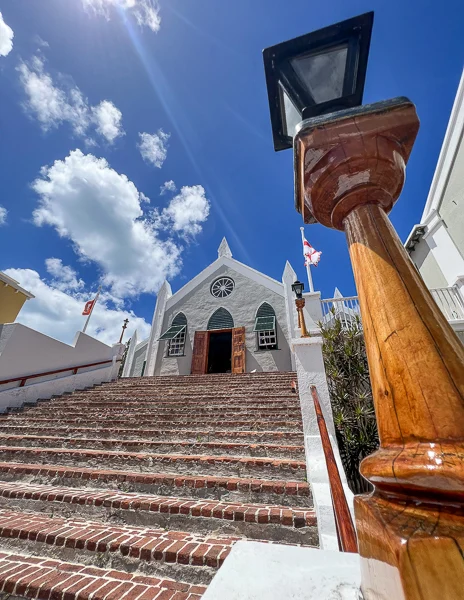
column 292, row 116
column 322, row 73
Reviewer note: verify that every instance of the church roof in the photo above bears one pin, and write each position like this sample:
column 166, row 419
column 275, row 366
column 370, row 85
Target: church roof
column 225, row 259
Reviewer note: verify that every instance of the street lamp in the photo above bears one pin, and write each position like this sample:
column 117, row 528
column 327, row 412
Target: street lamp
column 315, row 74
column 298, row 288
column 349, row 172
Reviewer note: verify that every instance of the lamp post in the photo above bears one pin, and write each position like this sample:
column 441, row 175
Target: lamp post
column 298, row 288
column 126, row 321
column 349, row 172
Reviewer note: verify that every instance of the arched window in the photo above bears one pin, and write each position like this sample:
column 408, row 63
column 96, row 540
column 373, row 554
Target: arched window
column 176, row 335
column 221, row 319
column 265, row 327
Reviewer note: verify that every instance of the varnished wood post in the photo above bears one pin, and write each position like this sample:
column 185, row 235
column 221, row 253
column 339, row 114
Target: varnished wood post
column 350, row 169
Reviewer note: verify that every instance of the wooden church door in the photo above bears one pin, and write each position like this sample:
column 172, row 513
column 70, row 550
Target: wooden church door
column 200, row 352
column 238, row 350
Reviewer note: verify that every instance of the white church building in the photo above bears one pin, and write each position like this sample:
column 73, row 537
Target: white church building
column 230, row 318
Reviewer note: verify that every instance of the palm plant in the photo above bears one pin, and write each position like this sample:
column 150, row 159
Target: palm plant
column 350, row 392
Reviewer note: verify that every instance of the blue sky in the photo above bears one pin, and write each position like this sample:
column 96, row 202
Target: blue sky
column 103, row 101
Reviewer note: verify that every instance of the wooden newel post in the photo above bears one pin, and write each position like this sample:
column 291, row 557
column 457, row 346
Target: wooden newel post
column 350, row 169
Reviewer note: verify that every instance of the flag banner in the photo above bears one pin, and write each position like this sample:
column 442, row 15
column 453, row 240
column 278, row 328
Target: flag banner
column 88, row 307
column 312, row 257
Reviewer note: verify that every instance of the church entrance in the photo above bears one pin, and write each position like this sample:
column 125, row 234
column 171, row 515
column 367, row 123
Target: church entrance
column 220, row 352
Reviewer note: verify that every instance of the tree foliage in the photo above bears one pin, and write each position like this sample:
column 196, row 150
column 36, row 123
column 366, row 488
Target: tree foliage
column 350, row 392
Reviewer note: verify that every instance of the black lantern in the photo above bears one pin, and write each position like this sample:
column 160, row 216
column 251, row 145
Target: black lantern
column 318, row 73
column 298, row 288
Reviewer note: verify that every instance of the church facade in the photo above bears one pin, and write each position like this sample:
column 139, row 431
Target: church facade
column 230, row 318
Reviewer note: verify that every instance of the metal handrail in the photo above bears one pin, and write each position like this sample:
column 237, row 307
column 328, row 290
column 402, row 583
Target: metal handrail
column 23, row 378
column 346, row 532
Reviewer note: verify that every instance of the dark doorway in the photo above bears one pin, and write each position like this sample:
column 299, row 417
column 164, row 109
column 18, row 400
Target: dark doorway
column 220, row 352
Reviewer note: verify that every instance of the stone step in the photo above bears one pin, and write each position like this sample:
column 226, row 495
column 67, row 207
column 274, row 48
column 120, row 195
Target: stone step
column 142, row 462
column 187, row 435
column 155, row 409
column 255, row 521
column 225, row 489
column 208, row 448
column 40, row 577
column 189, row 557
column 261, row 424
column 162, row 415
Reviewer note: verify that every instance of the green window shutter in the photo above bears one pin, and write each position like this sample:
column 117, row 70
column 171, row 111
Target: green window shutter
column 221, row 319
column 264, row 324
column 179, row 319
column 172, row 332
column 265, row 310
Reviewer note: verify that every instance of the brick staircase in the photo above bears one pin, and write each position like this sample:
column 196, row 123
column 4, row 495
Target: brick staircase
column 138, row 489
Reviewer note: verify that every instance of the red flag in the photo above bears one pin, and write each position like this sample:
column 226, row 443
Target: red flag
column 88, row 307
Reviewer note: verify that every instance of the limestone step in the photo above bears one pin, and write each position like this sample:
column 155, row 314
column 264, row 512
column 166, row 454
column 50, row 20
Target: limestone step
column 259, row 424
column 24, row 576
column 142, row 462
column 187, row 435
column 160, row 415
column 189, row 557
column 228, row 489
column 161, row 412
column 198, row 447
column 255, row 521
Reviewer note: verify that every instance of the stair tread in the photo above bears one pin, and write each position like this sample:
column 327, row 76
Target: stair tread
column 141, row 442
column 27, row 576
column 294, row 488
column 142, row 455
column 254, row 513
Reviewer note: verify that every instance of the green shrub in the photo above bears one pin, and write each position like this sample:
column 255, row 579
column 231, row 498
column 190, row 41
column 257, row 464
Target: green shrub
column 350, row 392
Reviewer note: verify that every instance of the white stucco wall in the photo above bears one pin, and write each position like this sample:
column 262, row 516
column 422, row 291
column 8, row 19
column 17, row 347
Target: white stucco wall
column 198, row 305
column 140, row 356
column 426, row 263
column 24, row 351
column 311, row 371
column 452, row 205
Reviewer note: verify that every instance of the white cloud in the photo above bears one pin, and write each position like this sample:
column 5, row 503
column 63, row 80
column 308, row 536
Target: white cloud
column 59, row 314
column 6, row 37
column 40, row 42
column 108, row 120
column 3, row 215
column 87, row 201
column 146, row 12
column 153, row 147
column 53, row 105
column 187, row 210
column 64, row 277
column 168, row 186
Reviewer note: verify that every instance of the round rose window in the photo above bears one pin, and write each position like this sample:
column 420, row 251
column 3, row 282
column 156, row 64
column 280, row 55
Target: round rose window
column 222, row 287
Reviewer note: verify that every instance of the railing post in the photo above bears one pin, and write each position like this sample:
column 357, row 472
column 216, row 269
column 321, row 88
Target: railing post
column 350, row 171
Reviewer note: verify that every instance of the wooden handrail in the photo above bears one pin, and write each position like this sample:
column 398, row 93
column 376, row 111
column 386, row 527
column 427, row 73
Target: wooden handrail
column 345, row 529
column 23, row 378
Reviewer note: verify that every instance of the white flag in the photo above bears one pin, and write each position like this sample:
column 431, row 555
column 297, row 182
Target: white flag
column 312, row 257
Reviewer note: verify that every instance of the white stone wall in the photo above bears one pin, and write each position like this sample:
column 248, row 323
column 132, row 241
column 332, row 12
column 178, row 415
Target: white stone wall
column 140, row 355
column 426, row 263
column 242, row 304
column 24, row 351
column 452, row 204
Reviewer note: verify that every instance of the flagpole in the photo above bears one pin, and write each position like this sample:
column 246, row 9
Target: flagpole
column 308, row 268
column 91, row 310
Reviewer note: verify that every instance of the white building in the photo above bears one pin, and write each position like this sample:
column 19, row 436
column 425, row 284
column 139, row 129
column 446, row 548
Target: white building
column 436, row 244
column 229, row 318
